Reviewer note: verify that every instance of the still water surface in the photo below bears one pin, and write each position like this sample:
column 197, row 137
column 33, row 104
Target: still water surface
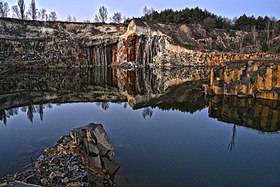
column 164, row 141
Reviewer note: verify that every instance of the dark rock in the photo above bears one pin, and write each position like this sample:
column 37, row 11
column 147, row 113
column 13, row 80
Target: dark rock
column 111, row 166
column 32, row 179
column 210, row 92
column 75, row 160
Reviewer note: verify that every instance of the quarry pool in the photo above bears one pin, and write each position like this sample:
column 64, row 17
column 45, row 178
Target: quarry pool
column 165, row 131
column 154, row 148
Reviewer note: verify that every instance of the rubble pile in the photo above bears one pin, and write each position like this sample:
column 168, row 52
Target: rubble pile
column 82, row 158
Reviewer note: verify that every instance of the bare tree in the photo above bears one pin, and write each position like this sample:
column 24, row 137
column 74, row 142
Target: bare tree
column 254, row 32
column 96, row 18
column 148, row 13
column 42, row 14
column 117, row 17
column 21, row 7
column 16, row 13
column 1, row 9
column 274, row 26
column 32, row 10
column 69, row 18
column 124, row 19
column 148, row 111
column 102, row 15
column 267, row 26
column 40, row 110
column 4, row 9
column 103, row 105
column 231, row 145
column 30, row 113
column 52, row 16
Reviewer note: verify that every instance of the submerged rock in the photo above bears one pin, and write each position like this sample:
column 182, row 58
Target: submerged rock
column 82, row 158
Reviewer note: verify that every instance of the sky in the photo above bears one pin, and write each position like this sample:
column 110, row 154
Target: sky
column 86, row 9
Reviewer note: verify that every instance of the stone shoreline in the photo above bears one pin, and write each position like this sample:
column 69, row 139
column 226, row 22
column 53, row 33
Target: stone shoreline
column 82, row 158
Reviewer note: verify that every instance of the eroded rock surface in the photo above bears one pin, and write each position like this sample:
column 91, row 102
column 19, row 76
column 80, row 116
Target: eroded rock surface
column 34, row 44
column 82, row 158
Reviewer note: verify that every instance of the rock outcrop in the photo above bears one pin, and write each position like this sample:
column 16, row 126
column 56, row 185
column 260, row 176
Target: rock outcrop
column 156, row 44
column 82, row 158
column 37, row 44
column 34, row 44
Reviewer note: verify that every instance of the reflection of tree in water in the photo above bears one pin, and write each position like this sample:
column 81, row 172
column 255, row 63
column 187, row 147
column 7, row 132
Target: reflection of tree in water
column 29, row 110
column 103, row 105
column 5, row 114
column 3, row 117
column 231, row 145
column 148, row 111
column 40, row 110
column 125, row 105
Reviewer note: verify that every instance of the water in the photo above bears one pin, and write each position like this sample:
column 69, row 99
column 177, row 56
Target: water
column 167, row 134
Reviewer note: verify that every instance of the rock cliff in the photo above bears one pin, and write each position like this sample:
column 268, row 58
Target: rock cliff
column 61, row 44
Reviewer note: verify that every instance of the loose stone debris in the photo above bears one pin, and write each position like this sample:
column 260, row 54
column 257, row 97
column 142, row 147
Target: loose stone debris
column 82, row 158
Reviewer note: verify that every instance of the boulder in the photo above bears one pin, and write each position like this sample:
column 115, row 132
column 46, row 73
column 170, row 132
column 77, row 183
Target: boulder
column 82, row 158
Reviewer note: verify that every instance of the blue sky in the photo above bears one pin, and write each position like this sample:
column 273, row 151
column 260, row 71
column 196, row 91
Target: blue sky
column 85, row 9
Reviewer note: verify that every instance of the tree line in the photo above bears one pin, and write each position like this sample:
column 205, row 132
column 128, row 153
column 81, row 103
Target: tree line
column 31, row 12
column 189, row 16
column 21, row 11
column 209, row 20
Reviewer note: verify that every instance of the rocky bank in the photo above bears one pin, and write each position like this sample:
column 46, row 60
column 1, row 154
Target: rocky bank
column 82, row 158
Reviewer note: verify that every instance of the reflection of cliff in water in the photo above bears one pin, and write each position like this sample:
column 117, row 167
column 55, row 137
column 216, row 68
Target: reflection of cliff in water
column 167, row 89
column 29, row 91
column 262, row 115
column 185, row 97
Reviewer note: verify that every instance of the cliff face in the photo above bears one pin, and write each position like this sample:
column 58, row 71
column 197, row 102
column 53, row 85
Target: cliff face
column 53, row 44
column 174, row 45
column 29, row 44
column 62, row 44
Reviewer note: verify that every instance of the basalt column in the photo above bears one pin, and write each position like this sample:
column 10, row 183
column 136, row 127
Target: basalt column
column 99, row 55
column 138, row 48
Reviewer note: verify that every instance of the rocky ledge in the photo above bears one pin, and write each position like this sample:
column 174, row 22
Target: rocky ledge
column 33, row 44
column 82, row 158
